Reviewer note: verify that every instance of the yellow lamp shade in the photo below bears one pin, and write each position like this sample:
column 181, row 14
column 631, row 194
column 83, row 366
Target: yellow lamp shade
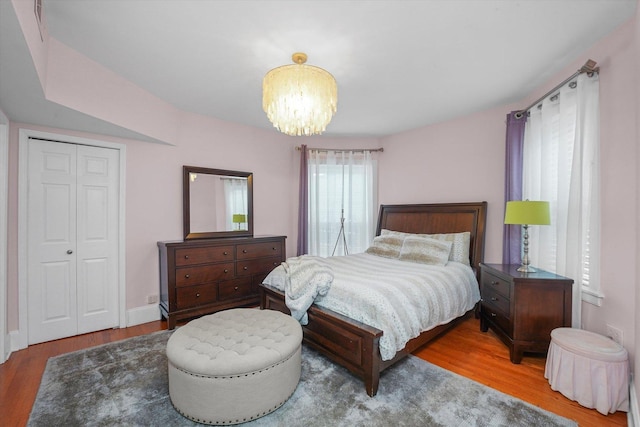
column 239, row 218
column 527, row 212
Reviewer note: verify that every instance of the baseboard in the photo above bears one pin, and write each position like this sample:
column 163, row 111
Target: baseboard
column 144, row 314
column 16, row 341
column 633, row 416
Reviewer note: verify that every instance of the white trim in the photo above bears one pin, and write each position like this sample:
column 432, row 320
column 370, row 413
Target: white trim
column 634, row 413
column 5, row 343
column 144, row 314
column 591, row 296
column 23, row 138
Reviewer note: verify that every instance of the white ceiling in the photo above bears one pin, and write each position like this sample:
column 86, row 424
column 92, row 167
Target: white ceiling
column 399, row 64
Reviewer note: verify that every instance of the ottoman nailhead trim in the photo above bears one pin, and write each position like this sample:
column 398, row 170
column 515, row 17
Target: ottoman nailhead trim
column 231, row 422
column 233, row 376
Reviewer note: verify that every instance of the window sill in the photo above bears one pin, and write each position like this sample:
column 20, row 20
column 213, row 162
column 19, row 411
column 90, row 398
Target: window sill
column 592, row 297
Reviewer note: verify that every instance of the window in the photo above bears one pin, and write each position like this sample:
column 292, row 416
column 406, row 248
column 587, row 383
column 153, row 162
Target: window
column 561, row 165
column 342, row 201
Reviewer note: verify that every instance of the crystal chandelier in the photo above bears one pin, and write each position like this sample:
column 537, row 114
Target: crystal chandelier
column 299, row 99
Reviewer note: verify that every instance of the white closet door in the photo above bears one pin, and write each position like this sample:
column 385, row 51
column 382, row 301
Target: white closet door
column 97, row 236
column 72, row 240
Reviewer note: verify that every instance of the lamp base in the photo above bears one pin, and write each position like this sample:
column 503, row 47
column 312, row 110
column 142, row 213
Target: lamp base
column 526, row 269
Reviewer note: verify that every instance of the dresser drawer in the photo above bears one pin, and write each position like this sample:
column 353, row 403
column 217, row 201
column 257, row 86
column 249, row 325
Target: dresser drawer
column 234, row 289
column 259, row 250
column 192, row 296
column 495, row 283
column 255, row 266
column 496, row 301
column 187, row 276
column 191, row 256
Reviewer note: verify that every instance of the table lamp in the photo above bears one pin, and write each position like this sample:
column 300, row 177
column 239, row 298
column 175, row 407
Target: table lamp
column 239, row 219
column 526, row 213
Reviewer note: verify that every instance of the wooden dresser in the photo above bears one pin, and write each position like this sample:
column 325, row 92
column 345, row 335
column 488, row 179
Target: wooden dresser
column 203, row 276
column 523, row 308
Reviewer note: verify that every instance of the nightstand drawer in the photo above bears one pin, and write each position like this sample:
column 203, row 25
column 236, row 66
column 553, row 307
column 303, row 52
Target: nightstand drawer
column 496, row 316
column 497, row 301
column 496, row 284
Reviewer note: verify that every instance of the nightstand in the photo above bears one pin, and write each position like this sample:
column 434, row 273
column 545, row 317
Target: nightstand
column 523, row 308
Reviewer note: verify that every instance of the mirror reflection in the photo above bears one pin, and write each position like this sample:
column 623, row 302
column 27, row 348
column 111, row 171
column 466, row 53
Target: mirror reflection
column 217, row 203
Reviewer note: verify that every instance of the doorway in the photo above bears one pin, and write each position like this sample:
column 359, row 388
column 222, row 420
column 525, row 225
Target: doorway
column 71, row 257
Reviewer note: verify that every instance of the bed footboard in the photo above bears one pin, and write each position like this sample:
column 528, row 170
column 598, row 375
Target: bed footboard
column 346, row 342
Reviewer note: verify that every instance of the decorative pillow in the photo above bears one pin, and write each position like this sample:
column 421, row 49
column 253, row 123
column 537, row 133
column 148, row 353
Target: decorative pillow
column 425, row 250
column 400, row 234
column 386, row 246
column 459, row 248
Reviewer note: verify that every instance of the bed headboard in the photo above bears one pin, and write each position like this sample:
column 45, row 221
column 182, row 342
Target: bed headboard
column 439, row 218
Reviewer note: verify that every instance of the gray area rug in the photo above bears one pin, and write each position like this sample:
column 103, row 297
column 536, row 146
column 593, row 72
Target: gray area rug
column 125, row 383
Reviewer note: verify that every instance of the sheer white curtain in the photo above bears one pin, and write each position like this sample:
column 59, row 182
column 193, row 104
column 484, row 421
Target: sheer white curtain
column 341, row 182
column 561, row 165
column 235, row 197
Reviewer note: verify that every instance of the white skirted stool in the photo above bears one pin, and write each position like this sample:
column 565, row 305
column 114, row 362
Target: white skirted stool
column 589, row 368
column 234, row 366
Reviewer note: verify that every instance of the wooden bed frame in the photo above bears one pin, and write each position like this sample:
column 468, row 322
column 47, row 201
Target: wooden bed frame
column 353, row 344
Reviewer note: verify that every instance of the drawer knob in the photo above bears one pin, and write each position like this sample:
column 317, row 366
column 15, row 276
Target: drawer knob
column 276, row 264
column 245, row 268
column 493, row 315
column 198, row 295
column 226, row 270
column 225, row 253
column 244, row 251
column 274, row 248
column 186, row 257
column 236, row 288
column 494, row 299
column 495, row 283
column 186, row 276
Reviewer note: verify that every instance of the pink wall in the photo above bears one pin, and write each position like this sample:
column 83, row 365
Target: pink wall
column 461, row 160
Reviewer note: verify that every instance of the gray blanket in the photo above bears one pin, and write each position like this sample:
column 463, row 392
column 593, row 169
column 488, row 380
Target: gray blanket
column 306, row 277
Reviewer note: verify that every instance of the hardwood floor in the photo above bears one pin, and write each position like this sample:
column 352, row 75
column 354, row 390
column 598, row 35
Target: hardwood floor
column 482, row 357
column 464, row 350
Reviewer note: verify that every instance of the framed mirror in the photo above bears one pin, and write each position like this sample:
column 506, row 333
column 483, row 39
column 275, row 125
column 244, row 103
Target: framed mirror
column 216, row 203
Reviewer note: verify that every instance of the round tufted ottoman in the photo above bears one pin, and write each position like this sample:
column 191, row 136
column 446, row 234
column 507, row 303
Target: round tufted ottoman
column 588, row 368
column 234, row 366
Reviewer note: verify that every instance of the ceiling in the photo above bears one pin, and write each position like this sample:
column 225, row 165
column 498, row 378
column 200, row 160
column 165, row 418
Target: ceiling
column 399, row 64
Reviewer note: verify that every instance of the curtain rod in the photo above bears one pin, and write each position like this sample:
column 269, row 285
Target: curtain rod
column 341, row 150
column 589, row 67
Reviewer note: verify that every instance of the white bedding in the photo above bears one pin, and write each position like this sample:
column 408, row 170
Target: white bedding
column 401, row 298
